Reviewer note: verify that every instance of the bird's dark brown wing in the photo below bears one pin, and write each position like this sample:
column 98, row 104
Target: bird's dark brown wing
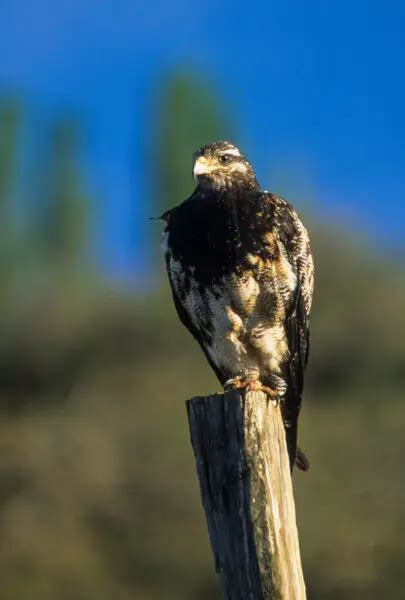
column 295, row 240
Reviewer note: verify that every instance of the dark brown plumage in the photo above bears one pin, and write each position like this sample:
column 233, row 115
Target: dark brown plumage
column 241, row 272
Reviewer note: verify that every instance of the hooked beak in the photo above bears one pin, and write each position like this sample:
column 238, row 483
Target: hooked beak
column 201, row 167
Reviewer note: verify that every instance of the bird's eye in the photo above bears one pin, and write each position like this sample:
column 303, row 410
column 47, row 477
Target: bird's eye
column 224, row 158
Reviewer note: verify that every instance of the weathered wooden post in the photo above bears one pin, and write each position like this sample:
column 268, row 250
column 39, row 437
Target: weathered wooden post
column 243, row 469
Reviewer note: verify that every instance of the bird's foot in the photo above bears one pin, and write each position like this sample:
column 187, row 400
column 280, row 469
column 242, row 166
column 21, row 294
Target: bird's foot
column 257, row 386
column 251, row 385
column 233, row 383
column 236, row 383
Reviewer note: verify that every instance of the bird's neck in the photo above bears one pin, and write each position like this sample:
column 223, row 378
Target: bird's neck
column 237, row 187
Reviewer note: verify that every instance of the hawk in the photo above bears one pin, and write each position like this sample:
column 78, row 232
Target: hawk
column 241, row 272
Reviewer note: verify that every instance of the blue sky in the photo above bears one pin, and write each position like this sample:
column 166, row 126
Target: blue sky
column 317, row 88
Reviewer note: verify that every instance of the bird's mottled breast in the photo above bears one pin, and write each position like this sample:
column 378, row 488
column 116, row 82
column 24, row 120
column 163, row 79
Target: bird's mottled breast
column 253, row 288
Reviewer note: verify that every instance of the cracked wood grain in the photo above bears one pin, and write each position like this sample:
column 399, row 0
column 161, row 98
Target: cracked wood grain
column 245, row 482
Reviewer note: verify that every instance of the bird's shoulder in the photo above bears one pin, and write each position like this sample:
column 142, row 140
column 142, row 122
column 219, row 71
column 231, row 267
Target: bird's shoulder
column 284, row 219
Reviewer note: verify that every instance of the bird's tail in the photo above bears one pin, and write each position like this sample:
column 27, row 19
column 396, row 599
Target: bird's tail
column 301, row 461
column 297, row 456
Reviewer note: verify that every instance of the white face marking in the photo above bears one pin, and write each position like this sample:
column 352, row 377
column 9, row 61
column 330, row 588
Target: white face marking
column 232, row 151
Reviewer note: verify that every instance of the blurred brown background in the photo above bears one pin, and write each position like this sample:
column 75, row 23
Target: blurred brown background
column 98, row 493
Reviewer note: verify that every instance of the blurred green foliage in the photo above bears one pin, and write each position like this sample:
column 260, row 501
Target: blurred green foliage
column 98, row 492
column 10, row 123
column 64, row 230
column 9, row 137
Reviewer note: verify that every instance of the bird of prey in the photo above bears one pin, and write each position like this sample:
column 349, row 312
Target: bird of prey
column 241, row 272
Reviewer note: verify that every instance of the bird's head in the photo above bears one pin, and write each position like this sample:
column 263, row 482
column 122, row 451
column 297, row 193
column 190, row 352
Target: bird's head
column 222, row 165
